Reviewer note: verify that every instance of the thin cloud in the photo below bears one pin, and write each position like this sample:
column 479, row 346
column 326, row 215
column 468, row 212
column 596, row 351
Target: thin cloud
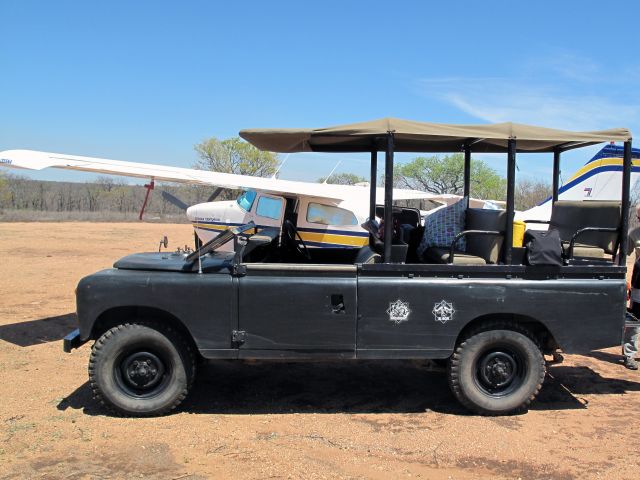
column 563, row 90
column 500, row 99
column 566, row 66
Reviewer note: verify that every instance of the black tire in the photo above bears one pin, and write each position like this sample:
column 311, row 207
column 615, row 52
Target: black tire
column 141, row 369
column 497, row 370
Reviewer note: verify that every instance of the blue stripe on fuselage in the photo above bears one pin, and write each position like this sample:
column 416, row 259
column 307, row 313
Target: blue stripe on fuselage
column 301, row 229
column 328, row 245
column 333, row 232
column 589, row 174
column 614, row 151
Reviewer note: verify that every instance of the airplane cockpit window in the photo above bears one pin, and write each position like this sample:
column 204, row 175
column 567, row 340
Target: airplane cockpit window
column 269, row 207
column 246, row 199
column 329, row 215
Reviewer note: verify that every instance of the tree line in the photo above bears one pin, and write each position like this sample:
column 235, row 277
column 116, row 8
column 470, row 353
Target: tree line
column 435, row 174
column 445, row 174
column 104, row 194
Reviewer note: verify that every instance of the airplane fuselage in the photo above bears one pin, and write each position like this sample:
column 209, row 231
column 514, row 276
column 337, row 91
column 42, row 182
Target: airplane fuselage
column 321, row 222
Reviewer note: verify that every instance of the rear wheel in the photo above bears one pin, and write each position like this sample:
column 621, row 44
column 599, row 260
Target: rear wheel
column 497, row 370
column 141, row 369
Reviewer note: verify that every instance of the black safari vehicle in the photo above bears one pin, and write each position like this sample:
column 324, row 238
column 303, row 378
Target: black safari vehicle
column 488, row 312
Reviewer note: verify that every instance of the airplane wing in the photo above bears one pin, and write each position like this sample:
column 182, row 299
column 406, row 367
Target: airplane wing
column 36, row 160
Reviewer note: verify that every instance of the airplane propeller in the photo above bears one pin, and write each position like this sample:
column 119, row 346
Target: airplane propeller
column 215, row 194
column 174, row 200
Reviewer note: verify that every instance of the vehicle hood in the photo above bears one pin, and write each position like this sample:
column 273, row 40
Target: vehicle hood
column 175, row 262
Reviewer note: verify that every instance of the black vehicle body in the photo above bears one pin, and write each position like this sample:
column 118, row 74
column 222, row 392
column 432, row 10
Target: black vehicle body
column 322, row 311
column 275, row 299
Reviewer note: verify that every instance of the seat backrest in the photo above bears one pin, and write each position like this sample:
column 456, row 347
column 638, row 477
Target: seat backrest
column 367, row 255
column 415, row 236
column 404, row 215
column 259, row 244
column 410, row 216
column 485, row 246
column 569, row 216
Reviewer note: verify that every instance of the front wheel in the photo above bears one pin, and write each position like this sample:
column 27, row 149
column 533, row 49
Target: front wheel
column 497, row 371
column 141, row 369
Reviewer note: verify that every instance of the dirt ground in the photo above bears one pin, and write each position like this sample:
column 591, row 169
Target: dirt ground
column 326, row 420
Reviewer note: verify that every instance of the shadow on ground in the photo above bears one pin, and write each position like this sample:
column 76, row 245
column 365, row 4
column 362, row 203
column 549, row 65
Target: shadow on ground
column 35, row 332
column 363, row 387
column 607, row 357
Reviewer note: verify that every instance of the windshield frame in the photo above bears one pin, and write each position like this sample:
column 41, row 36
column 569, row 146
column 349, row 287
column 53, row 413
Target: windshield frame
column 219, row 240
column 244, row 197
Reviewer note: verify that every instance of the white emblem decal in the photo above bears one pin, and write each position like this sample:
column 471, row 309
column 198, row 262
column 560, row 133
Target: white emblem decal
column 443, row 311
column 398, row 311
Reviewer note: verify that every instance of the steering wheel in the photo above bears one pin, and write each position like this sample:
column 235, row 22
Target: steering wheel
column 293, row 238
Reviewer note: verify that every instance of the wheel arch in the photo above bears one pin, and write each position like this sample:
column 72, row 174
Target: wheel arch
column 130, row 314
column 537, row 328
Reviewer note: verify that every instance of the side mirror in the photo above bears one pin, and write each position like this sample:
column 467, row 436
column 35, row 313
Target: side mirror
column 164, row 242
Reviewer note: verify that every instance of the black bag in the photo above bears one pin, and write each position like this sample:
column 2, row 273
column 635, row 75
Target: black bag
column 543, row 248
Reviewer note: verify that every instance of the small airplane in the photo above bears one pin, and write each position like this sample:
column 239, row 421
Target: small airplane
column 327, row 215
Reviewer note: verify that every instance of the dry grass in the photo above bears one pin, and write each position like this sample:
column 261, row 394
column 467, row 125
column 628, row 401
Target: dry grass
column 10, row 215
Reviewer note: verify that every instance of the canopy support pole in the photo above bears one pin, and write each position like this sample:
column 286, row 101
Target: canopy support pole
column 467, row 169
column 626, row 195
column 556, row 176
column 373, row 183
column 511, row 182
column 388, row 198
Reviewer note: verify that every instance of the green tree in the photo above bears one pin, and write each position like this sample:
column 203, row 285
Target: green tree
column 446, row 175
column 234, row 155
column 343, row 179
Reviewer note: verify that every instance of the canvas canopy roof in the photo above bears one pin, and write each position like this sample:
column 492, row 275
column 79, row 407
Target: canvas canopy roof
column 410, row 136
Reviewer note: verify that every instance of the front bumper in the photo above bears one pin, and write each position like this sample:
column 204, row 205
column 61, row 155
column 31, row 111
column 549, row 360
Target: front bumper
column 72, row 341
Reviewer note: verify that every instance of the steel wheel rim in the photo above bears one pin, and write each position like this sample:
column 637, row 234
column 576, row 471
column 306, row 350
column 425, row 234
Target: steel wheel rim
column 499, row 371
column 142, row 373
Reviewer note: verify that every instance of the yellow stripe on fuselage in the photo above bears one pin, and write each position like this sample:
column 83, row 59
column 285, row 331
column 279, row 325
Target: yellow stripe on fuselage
column 208, row 226
column 219, row 228
column 332, row 239
column 600, row 163
column 328, row 239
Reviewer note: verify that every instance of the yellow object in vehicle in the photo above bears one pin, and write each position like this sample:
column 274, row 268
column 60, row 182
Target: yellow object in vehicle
column 518, row 232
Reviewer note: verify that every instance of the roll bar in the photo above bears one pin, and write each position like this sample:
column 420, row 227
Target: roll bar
column 511, row 180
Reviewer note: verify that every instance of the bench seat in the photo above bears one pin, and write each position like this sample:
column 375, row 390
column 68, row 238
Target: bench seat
column 481, row 249
column 581, row 250
column 441, row 255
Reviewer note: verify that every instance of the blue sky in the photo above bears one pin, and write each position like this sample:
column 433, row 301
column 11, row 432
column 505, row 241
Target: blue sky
column 145, row 81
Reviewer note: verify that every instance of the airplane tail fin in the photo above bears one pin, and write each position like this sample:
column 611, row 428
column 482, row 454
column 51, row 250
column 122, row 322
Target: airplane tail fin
column 599, row 179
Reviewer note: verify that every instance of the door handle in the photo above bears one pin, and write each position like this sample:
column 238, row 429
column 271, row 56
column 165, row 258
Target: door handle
column 337, row 304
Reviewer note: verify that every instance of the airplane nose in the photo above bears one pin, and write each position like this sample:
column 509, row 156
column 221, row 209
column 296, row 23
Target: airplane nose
column 201, row 210
column 192, row 212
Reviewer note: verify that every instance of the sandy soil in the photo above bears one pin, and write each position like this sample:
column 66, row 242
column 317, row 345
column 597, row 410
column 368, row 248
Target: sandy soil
column 279, row 421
